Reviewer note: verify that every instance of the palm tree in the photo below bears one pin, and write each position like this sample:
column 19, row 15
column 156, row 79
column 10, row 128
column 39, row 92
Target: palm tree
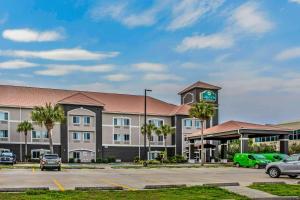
column 47, row 116
column 165, row 130
column 202, row 111
column 24, row 127
column 150, row 128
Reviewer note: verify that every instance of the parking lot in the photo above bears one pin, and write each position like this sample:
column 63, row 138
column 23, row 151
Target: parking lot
column 130, row 179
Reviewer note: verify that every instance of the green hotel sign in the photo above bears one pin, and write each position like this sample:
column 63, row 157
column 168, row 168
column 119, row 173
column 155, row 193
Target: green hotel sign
column 208, row 95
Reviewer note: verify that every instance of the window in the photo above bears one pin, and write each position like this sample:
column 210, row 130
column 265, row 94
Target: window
column 39, row 134
column 37, row 153
column 3, row 116
column 160, row 138
column 87, row 120
column 126, row 137
column 76, row 155
column 86, row 136
column 76, row 120
column 117, row 137
column 121, row 122
column 197, row 124
column 76, row 136
column 3, row 133
column 188, row 123
column 151, row 138
column 156, row 122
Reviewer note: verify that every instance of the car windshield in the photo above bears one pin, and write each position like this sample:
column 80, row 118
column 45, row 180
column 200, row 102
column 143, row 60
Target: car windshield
column 51, row 156
column 292, row 158
column 259, row 157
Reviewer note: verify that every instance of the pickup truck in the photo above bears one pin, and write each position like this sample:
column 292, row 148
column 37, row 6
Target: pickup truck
column 7, row 158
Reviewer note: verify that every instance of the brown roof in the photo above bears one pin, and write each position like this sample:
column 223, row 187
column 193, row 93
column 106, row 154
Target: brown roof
column 20, row 96
column 200, row 84
column 181, row 110
column 231, row 126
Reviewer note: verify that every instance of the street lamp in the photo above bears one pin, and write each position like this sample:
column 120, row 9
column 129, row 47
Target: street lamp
column 145, row 122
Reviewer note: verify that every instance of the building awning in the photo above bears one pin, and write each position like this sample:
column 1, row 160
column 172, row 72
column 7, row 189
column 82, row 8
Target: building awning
column 234, row 129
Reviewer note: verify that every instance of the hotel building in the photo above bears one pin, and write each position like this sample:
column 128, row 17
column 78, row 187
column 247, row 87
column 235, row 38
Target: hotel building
column 99, row 125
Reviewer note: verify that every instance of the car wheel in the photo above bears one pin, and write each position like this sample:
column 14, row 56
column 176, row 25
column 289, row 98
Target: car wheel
column 274, row 172
column 293, row 176
column 237, row 165
column 256, row 166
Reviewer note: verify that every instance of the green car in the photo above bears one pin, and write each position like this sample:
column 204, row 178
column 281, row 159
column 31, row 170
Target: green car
column 250, row 160
column 275, row 157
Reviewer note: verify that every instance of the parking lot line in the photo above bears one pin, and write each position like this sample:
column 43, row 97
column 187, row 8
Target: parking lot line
column 60, row 187
column 119, row 185
column 33, row 170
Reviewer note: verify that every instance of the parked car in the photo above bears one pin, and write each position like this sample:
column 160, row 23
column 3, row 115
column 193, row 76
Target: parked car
column 289, row 166
column 7, row 158
column 274, row 157
column 250, row 160
column 50, row 161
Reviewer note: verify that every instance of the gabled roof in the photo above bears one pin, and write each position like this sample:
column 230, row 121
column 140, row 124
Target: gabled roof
column 181, row 110
column 235, row 126
column 28, row 97
column 80, row 98
column 200, row 84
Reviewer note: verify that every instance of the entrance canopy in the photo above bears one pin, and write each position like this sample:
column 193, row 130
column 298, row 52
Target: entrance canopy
column 236, row 129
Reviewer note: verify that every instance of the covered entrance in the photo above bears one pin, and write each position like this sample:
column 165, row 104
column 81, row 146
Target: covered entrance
column 239, row 130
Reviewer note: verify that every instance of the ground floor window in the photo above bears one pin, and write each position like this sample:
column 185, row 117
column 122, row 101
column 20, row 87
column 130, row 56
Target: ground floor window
column 153, row 155
column 76, row 155
column 37, row 153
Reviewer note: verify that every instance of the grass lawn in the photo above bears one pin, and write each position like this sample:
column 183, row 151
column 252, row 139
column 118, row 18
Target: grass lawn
column 197, row 192
column 278, row 189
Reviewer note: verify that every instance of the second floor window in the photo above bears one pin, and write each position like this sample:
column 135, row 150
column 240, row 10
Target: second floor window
column 121, row 122
column 86, row 136
column 76, row 136
column 87, row 120
column 39, row 134
column 160, row 138
column 198, row 124
column 76, row 120
column 156, row 122
column 3, row 116
column 188, row 123
column 3, row 134
column 126, row 137
column 117, row 137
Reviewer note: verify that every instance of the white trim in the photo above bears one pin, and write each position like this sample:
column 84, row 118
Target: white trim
column 193, row 98
column 281, row 140
column 134, row 145
column 8, row 126
column 34, row 143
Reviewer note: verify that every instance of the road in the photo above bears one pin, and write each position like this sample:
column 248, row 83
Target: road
column 130, row 179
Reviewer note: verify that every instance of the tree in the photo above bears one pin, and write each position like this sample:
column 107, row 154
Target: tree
column 150, row 128
column 202, row 111
column 25, row 127
column 165, row 130
column 47, row 116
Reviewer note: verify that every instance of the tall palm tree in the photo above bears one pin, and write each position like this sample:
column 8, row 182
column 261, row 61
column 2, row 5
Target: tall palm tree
column 25, row 127
column 165, row 130
column 150, row 128
column 47, row 116
column 202, row 111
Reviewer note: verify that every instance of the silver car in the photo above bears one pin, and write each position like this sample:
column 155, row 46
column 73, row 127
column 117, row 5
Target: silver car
column 289, row 166
column 50, row 161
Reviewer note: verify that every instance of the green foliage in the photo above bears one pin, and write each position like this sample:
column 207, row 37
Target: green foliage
column 111, row 159
column 93, row 161
column 150, row 128
column 202, row 110
column 136, row 159
column 177, row 159
column 278, row 189
column 263, row 148
column 294, row 148
column 24, row 127
column 233, row 148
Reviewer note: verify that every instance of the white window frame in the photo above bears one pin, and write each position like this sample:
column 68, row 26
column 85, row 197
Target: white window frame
column 78, row 134
column 40, row 134
column 76, row 124
column 198, row 127
column 184, row 123
column 122, row 121
column 38, row 150
column 193, row 98
column 153, row 152
column 7, row 134
column 156, row 119
column 84, row 134
column 84, row 118
column 2, row 111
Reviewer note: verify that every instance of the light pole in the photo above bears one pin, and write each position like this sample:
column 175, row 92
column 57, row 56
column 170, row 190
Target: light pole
column 145, row 123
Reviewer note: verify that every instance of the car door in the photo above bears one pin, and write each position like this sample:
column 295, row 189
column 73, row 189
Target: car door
column 291, row 164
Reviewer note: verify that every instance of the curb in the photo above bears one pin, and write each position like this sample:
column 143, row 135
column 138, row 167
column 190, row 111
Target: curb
column 99, row 188
column 164, row 186
column 280, row 182
column 278, row 198
column 22, row 189
column 221, row 184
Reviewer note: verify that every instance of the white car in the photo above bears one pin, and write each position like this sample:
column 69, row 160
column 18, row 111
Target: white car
column 50, row 161
column 289, row 166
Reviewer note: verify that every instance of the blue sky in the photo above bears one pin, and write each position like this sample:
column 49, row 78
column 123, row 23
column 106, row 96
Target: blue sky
column 249, row 48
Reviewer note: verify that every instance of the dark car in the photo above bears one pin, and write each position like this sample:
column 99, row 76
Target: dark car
column 50, row 161
column 7, row 158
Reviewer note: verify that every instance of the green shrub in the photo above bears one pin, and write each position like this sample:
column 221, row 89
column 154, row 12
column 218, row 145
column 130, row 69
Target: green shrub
column 294, row 148
column 98, row 160
column 136, row 159
column 153, row 162
column 78, row 160
column 71, row 160
column 93, row 161
column 111, row 160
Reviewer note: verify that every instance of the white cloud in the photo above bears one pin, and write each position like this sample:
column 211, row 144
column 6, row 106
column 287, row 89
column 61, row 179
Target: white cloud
column 60, row 54
column 29, row 35
column 147, row 66
column 187, row 12
column 120, row 12
column 289, row 54
column 190, row 65
column 295, row 1
column 61, row 70
column 16, row 64
column 249, row 18
column 118, row 77
column 215, row 41
column 161, row 77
